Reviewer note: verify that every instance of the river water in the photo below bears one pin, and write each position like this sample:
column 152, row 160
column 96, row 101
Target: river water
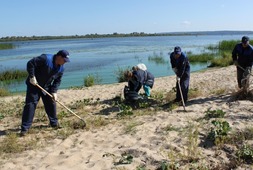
column 103, row 57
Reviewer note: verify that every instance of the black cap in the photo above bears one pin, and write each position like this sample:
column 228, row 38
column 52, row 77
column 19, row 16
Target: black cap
column 177, row 50
column 64, row 54
column 245, row 39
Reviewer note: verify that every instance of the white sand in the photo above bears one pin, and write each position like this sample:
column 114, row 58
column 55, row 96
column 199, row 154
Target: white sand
column 149, row 143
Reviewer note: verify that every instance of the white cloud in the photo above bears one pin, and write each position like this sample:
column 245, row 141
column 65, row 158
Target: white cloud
column 186, row 23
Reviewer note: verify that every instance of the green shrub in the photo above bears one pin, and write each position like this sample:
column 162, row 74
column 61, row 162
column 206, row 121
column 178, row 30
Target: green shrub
column 89, row 81
column 120, row 74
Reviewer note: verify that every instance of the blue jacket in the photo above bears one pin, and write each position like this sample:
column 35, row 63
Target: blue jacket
column 181, row 64
column 46, row 72
column 244, row 56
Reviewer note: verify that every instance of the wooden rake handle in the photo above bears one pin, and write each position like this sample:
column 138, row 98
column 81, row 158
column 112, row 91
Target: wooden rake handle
column 59, row 102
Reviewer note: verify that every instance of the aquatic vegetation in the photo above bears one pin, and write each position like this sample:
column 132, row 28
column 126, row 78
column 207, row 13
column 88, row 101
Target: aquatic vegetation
column 201, row 58
column 91, row 80
column 223, row 61
column 9, row 75
column 6, row 46
column 158, row 59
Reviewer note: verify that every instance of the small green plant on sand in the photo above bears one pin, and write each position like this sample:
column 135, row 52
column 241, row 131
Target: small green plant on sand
column 214, row 113
column 219, row 132
column 125, row 159
column 124, row 110
column 89, row 81
column 245, row 153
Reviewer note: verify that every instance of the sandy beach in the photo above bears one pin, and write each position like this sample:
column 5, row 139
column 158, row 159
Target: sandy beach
column 157, row 134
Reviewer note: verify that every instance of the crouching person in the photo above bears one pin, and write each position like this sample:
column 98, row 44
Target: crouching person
column 45, row 70
column 138, row 78
column 147, row 77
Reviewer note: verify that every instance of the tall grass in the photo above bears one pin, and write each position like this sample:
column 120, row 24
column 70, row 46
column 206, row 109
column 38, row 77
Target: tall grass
column 223, row 61
column 9, row 75
column 221, row 57
column 6, row 46
column 227, row 45
column 201, row 58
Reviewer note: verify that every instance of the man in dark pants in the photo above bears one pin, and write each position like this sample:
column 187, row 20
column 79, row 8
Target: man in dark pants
column 181, row 66
column 243, row 58
column 45, row 70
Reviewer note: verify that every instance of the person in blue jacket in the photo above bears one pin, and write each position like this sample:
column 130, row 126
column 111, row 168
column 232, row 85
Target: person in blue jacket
column 45, row 70
column 138, row 78
column 181, row 66
column 242, row 56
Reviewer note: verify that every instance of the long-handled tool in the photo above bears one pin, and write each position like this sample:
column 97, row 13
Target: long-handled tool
column 61, row 104
column 247, row 79
column 243, row 69
column 182, row 97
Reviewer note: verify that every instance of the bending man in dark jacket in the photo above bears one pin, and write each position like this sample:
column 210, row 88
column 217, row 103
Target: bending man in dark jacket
column 138, row 78
column 243, row 57
column 181, row 66
column 45, row 70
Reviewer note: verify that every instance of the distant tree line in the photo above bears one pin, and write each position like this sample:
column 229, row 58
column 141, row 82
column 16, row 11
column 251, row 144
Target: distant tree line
column 91, row 36
column 115, row 34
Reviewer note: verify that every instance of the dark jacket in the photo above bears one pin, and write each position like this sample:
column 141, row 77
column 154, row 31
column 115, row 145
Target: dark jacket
column 140, row 78
column 244, row 56
column 46, row 72
column 149, row 79
column 181, row 64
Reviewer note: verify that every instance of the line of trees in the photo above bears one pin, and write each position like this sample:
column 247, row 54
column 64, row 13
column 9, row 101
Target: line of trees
column 134, row 34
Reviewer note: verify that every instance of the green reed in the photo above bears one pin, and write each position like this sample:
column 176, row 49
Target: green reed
column 6, row 46
column 201, row 58
column 9, row 75
column 224, row 60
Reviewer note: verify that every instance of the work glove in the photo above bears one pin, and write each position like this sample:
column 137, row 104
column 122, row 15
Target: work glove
column 175, row 69
column 33, row 81
column 236, row 63
column 178, row 79
column 54, row 96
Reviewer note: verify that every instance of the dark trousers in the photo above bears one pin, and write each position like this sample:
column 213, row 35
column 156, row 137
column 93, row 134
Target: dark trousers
column 33, row 95
column 184, row 83
column 242, row 76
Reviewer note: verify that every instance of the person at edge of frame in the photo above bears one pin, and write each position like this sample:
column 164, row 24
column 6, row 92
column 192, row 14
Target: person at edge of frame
column 242, row 56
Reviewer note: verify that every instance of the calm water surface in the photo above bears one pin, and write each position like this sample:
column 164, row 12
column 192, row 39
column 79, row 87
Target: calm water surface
column 104, row 56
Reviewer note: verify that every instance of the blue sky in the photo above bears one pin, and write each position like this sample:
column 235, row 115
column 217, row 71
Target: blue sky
column 80, row 17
